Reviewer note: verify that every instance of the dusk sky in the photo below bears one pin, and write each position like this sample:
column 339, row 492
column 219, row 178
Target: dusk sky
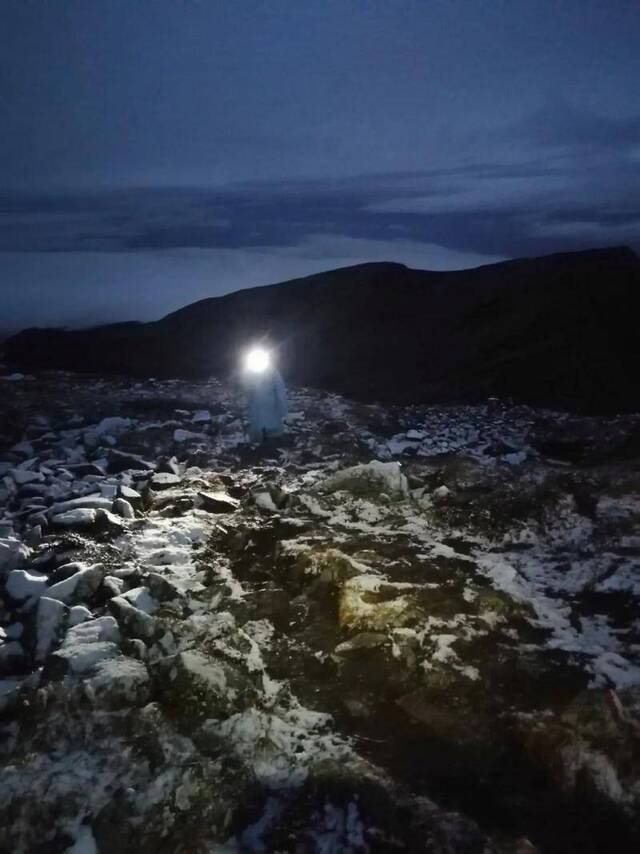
column 153, row 152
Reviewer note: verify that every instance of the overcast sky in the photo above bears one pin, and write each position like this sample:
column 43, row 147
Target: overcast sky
column 156, row 151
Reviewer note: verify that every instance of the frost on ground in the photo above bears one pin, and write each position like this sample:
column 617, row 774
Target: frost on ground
column 411, row 629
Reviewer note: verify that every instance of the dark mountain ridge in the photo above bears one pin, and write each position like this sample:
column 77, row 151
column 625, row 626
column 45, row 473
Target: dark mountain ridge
column 559, row 331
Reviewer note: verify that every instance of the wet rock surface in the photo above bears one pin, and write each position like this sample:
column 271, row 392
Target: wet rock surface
column 397, row 629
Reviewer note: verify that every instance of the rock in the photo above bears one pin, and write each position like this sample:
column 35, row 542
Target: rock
column 369, row 480
column 24, row 585
column 112, row 586
column 39, row 520
column 13, row 658
column 50, row 618
column 140, row 598
column 81, row 518
column 201, row 416
column 107, row 429
column 92, row 630
column 204, row 686
column 14, row 631
column 451, row 707
column 131, row 495
column 65, row 570
column 172, row 466
column 80, row 658
column 264, row 501
column 441, row 493
column 218, row 502
column 589, row 747
column 85, row 842
column 108, row 523
column 136, row 648
column 172, row 502
column 9, row 692
column 416, row 435
column 371, row 604
column 12, row 553
column 122, row 507
column 181, row 435
column 22, row 476
column 118, row 682
column 95, row 501
column 163, row 480
column 136, row 623
column 118, row 461
column 33, row 536
column 365, row 640
column 274, row 604
column 85, row 469
column 79, row 614
column 163, row 588
column 109, row 490
column 79, row 587
column 328, row 566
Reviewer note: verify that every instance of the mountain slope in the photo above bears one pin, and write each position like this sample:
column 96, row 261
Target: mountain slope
column 558, row 330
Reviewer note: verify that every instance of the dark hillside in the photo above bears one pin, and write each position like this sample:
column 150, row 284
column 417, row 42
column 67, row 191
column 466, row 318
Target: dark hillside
column 560, row 330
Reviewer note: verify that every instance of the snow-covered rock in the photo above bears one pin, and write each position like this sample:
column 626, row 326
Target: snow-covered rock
column 95, row 501
column 441, row 493
column 79, row 587
column 50, row 617
column 81, row 518
column 108, row 428
column 140, row 598
column 264, row 501
column 218, row 502
column 164, row 480
column 208, row 686
column 118, row 682
column 80, row 658
column 135, row 622
column 201, row 416
column 89, row 631
column 122, row 507
column 181, row 435
column 369, row 479
column 23, row 584
column 130, row 495
column 79, row 614
column 12, row 553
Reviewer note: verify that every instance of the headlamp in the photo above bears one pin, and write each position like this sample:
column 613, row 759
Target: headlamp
column 257, row 360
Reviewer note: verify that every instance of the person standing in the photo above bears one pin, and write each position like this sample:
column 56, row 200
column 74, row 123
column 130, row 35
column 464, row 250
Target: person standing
column 266, row 396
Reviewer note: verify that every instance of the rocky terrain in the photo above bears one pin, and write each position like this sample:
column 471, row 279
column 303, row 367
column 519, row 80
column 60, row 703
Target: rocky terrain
column 558, row 331
column 402, row 628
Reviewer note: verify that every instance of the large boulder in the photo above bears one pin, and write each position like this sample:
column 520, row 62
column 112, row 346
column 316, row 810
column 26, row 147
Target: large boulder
column 201, row 686
column 118, row 682
column 368, row 603
column 369, row 480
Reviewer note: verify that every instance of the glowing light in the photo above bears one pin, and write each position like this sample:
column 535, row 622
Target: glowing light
column 257, row 360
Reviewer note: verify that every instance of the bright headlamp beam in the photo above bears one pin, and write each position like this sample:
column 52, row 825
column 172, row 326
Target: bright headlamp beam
column 257, row 360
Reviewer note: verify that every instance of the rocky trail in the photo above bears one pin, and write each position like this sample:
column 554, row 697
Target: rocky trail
column 398, row 629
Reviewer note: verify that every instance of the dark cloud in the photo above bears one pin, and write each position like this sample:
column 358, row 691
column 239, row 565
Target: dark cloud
column 506, row 210
column 561, row 124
